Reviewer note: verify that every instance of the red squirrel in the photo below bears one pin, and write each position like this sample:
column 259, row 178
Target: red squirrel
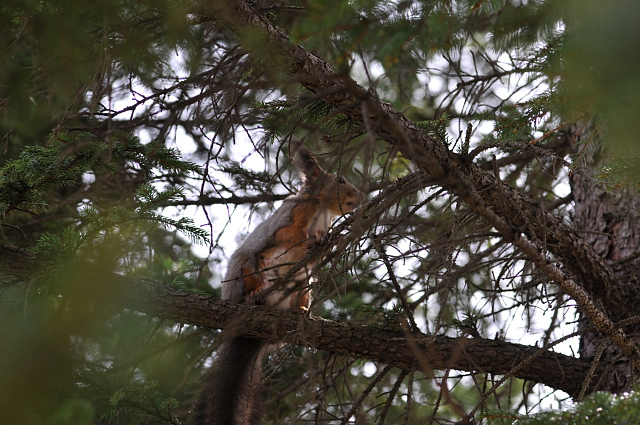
column 230, row 395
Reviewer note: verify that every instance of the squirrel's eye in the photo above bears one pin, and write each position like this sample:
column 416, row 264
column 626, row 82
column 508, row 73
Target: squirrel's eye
column 340, row 180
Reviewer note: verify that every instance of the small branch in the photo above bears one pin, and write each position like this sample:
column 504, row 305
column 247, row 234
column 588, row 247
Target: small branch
column 206, row 200
column 550, row 132
column 18, row 262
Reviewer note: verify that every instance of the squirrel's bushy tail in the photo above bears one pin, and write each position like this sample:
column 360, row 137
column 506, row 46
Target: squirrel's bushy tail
column 229, row 395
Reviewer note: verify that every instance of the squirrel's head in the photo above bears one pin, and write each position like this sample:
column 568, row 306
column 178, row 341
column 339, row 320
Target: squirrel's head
column 332, row 191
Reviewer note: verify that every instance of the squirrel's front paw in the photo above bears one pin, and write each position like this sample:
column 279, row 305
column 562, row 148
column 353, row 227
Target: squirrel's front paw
column 301, row 309
column 316, row 238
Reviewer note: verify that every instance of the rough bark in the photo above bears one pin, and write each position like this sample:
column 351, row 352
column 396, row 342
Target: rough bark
column 609, row 223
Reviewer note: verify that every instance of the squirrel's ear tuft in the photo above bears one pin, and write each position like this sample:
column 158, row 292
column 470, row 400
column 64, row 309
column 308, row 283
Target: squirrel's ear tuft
column 306, row 162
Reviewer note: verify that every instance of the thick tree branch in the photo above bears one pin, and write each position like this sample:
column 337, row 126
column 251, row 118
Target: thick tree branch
column 364, row 342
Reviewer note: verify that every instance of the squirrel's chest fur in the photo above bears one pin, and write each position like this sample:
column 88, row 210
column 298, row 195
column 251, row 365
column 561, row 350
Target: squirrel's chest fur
column 267, row 255
column 289, row 245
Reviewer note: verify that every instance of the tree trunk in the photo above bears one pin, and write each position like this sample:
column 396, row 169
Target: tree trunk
column 608, row 222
